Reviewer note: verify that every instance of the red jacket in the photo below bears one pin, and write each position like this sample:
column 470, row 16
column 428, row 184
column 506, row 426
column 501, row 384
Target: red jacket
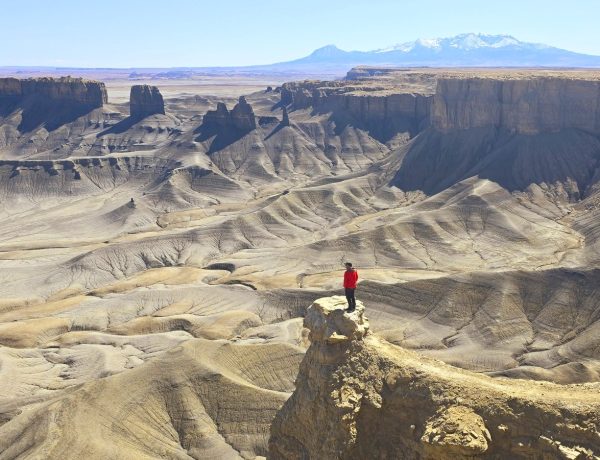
column 350, row 279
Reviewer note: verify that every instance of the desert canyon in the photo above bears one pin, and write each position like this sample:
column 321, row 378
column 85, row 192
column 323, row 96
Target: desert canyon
column 160, row 250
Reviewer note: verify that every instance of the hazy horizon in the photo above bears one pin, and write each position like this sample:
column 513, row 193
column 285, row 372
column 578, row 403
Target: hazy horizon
column 190, row 34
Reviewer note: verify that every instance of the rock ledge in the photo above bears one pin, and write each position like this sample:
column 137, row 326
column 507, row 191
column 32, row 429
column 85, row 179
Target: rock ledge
column 329, row 322
column 359, row 397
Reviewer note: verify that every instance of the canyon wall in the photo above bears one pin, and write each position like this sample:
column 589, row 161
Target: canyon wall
column 453, row 101
column 359, row 397
column 364, row 104
column 515, row 128
column 525, row 106
column 382, row 111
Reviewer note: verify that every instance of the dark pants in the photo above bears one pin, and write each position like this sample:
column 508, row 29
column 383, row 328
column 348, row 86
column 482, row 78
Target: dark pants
column 350, row 298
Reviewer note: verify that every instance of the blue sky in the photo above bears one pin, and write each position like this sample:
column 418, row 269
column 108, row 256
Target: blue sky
column 168, row 33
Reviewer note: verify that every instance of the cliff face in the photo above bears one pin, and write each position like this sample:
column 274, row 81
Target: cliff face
column 145, row 100
column 10, row 87
column 356, row 101
column 50, row 101
column 524, row 106
column 382, row 111
column 453, row 101
column 380, row 108
column 87, row 93
column 513, row 130
column 359, row 397
column 304, row 94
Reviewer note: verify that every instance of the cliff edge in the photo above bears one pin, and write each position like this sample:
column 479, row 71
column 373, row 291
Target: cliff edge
column 358, row 397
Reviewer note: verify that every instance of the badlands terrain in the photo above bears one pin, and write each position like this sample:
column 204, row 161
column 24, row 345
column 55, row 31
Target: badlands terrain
column 159, row 248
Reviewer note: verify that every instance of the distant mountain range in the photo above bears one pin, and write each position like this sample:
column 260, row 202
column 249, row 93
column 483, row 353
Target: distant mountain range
column 467, row 50
column 464, row 50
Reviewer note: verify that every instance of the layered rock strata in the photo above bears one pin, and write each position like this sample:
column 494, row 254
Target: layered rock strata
column 383, row 111
column 525, row 106
column 359, row 397
column 449, row 101
column 49, row 102
column 78, row 91
column 362, row 102
column 145, row 100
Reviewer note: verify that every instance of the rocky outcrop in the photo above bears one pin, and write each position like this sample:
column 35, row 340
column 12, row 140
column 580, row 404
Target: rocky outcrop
column 50, row 101
column 77, row 91
column 359, row 397
column 242, row 116
column 240, row 119
column 145, row 100
column 528, row 105
column 218, row 118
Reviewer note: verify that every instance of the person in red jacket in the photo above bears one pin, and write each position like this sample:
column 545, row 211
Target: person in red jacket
column 350, row 279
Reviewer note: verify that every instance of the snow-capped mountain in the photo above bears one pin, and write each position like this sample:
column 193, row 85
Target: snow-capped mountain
column 465, row 42
column 461, row 50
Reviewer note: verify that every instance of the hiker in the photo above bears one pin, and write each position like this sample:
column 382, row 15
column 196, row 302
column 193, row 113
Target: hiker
column 350, row 279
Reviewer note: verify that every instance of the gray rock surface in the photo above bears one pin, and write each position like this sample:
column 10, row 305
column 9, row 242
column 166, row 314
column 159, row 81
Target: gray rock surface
column 49, row 102
column 242, row 116
column 523, row 106
column 145, row 100
column 285, row 120
column 240, row 119
column 76, row 90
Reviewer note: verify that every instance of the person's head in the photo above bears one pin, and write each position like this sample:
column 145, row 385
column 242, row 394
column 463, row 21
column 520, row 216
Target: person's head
column 348, row 265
